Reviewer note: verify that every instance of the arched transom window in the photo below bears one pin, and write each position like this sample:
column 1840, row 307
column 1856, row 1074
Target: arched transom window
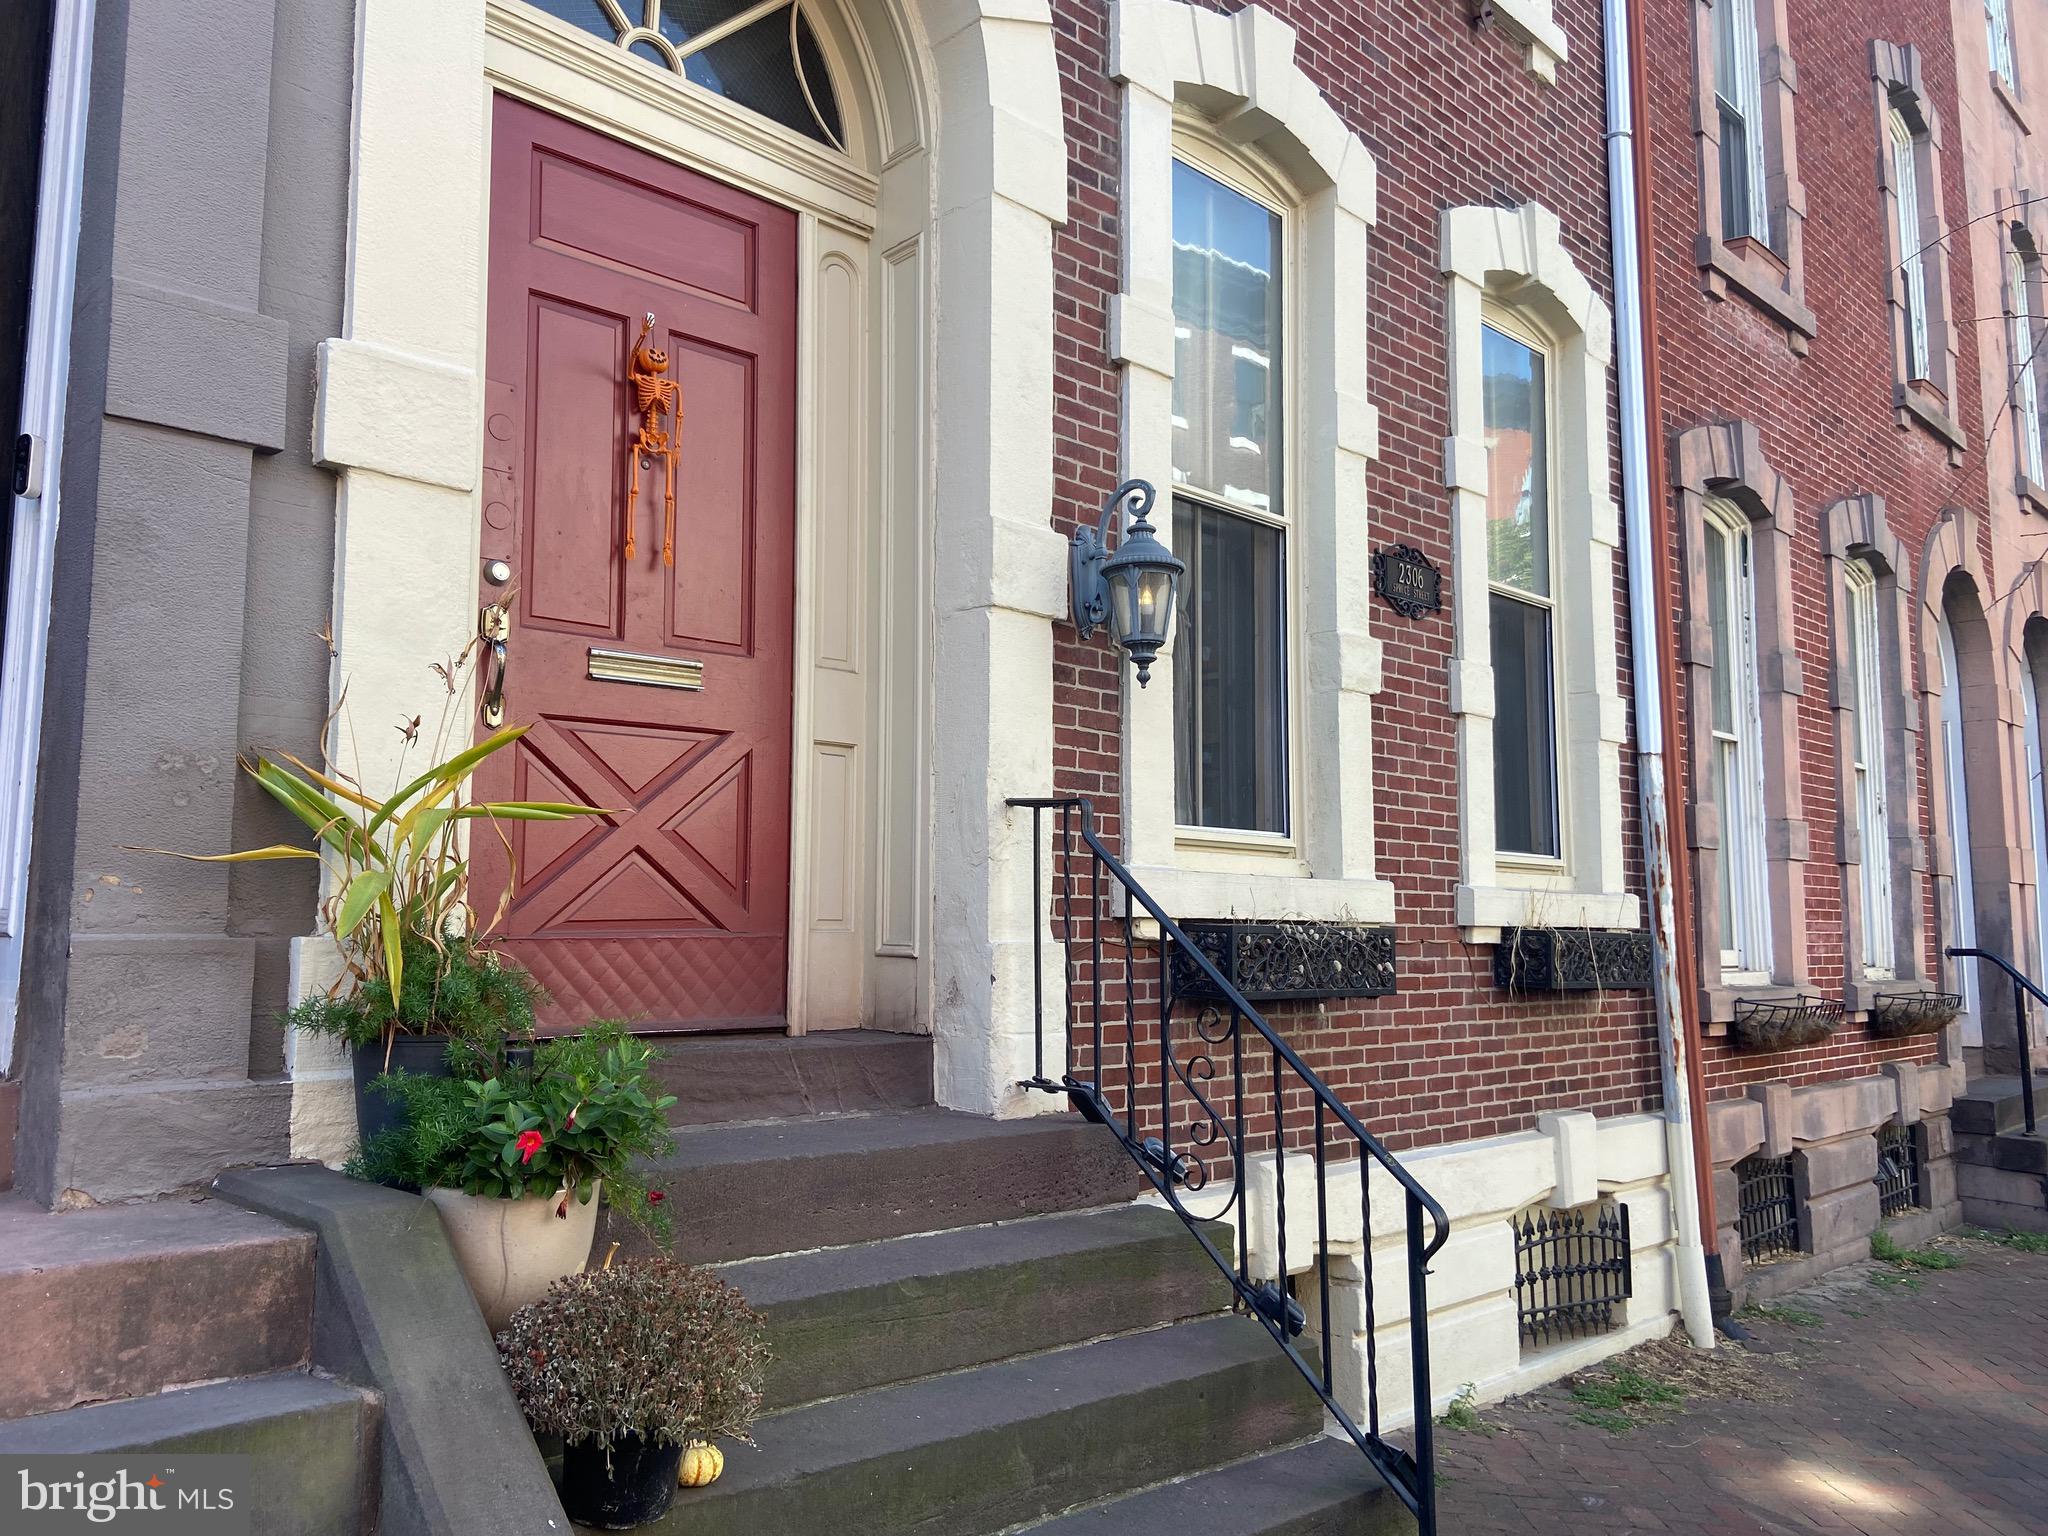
column 763, row 55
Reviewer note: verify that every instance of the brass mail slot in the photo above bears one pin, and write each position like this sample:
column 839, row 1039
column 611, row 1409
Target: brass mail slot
column 654, row 671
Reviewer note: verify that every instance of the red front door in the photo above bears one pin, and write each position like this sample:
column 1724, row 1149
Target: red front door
column 659, row 691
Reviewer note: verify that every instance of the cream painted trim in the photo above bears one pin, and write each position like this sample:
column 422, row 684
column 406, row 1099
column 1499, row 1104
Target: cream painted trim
column 1533, row 24
column 1237, row 74
column 400, row 410
column 1571, row 1158
column 1514, row 259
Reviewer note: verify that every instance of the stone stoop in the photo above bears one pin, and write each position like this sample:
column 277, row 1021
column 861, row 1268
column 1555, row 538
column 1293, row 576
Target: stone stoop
column 976, row 1331
column 181, row 1325
column 2001, row 1170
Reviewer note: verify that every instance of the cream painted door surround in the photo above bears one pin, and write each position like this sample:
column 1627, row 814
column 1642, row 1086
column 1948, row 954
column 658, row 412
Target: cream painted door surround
column 927, row 572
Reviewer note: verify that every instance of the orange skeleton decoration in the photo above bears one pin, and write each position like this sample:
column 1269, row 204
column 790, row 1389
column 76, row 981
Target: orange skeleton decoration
column 655, row 395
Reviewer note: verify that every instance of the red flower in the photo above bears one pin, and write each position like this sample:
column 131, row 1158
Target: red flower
column 655, row 1197
column 529, row 1142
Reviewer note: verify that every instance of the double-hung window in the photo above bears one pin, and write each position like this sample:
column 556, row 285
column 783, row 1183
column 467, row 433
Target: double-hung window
column 2026, row 390
column 1905, row 153
column 1998, row 34
column 1867, row 766
column 1738, row 97
column 1738, row 744
column 1520, row 611
column 1230, row 512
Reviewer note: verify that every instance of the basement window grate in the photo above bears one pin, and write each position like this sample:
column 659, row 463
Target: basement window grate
column 1572, row 1271
column 1898, row 1170
column 1769, row 1218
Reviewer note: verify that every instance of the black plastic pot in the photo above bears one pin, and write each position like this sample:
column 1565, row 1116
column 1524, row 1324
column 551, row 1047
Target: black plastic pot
column 635, row 1487
column 421, row 1055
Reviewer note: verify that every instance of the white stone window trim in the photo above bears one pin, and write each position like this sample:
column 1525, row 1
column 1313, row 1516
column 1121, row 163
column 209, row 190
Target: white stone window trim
column 1512, row 261
column 1237, row 74
column 1534, row 25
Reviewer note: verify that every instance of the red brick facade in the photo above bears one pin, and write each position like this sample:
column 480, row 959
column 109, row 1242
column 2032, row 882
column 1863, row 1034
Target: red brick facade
column 1825, row 419
column 1452, row 116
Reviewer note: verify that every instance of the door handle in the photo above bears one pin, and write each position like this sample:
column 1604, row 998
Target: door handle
column 494, row 628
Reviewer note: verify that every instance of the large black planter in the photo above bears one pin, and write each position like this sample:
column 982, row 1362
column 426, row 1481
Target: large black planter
column 635, row 1487
column 420, row 1055
column 1281, row 961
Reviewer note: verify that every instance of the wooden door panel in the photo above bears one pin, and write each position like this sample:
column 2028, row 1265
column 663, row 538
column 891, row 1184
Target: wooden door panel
column 671, row 910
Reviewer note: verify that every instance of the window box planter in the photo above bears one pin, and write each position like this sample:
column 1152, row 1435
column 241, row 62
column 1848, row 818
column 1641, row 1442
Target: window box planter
column 1783, row 1023
column 1281, row 961
column 1572, row 960
column 1895, row 1015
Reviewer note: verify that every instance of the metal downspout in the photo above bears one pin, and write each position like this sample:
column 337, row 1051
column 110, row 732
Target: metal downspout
column 1647, row 540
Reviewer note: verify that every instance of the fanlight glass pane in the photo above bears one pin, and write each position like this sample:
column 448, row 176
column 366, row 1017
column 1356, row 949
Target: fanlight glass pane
column 1227, row 383
column 756, row 66
column 590, row 15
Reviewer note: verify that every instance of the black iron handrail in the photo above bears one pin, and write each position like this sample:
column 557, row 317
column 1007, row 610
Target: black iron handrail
column 1303, row 1108
column 2021, row 986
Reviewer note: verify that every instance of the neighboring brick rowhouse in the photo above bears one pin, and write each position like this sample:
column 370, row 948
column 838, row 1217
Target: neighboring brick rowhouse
column 1452, row 116
column 1825, row 418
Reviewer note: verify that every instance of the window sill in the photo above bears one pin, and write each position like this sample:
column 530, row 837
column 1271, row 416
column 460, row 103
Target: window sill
column 1717, row 1002
column 2032, row 493
column 1190, row 893
column 1483, row 910
column 1916, row 402
column 1757, row 273
column 2009, row 99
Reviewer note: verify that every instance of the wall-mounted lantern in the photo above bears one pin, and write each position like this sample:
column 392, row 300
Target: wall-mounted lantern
column 1134, row 590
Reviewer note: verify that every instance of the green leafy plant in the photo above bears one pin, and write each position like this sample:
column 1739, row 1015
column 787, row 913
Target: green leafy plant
column 1775, row 1312
column 2019, row 1242
column 398, row 875
column 1615, row 1401
column 464, row 990
column 582, row 1112
column 1885, row 1248
column 652, row 1348
column 1462, row 1412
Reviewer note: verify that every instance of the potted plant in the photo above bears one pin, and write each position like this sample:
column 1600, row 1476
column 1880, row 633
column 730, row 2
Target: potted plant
column 630, row 1365
column 515, row 1162
column 420, row 988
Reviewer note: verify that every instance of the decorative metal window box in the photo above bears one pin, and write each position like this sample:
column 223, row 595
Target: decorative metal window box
column 1281, row 961
column 1783, row 1023
column 1572, row 960
column 1895, row 1015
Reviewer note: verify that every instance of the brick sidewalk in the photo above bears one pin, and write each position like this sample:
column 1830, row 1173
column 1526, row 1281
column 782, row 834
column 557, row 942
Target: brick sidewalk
column 1926, row 1414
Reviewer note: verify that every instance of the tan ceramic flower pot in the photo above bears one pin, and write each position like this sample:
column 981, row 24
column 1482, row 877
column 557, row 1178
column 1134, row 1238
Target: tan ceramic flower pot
column 511, row 1251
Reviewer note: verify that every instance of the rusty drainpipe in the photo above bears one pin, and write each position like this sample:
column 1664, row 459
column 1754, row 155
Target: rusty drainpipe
column 1650, row 566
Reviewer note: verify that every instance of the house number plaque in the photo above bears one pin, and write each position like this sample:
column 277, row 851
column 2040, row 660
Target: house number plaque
column 1403, row 575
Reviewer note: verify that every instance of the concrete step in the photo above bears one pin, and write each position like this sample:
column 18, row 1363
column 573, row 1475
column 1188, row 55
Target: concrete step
column 2013, row 1151
column 718, row 1078
column 1994, row 1104
column 846, row 1319
column 311, row 1443
column 1323, row 1488
column 744, row 1191
column 981, row 1451
column 122, row 1301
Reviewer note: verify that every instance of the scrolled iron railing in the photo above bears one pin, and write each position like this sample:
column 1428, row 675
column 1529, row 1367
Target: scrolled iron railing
column 1237, row 1090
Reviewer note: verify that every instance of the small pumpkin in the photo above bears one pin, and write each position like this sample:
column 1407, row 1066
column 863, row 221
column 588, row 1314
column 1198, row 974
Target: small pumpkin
column 702, row 1462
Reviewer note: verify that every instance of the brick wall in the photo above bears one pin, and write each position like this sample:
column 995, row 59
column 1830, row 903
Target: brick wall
column 1452, row 117
column 1825, row 418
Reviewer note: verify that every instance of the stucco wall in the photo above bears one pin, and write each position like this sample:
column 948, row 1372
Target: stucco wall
column 195, row 569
